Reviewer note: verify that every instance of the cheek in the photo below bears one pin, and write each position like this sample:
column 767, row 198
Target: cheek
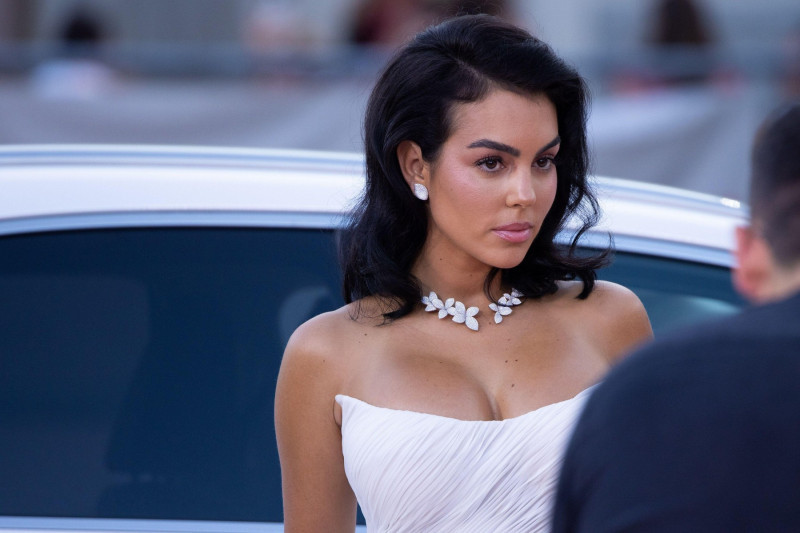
column 463, row 191
column 546, row 194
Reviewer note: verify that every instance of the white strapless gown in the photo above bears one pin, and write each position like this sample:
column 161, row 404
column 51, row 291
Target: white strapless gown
column 418, row 472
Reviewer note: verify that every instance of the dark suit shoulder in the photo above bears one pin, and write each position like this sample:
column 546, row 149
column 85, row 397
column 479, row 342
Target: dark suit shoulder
column 695, row 432
column 772, row 328
column 756, row 350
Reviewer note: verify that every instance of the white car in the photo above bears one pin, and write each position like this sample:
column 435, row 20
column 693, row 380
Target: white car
column 148, row 293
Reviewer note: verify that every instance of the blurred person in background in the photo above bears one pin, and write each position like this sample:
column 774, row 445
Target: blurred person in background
column 275, row 27
column 683, row 38
column 78, row 71
column 790, row 64
column 700, row 431
column 679, row 46
column 680, row 22
column 393, row 22
column 441, row 395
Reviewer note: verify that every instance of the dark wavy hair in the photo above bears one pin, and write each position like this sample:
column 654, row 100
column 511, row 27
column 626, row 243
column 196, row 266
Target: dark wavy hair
column 461, row 60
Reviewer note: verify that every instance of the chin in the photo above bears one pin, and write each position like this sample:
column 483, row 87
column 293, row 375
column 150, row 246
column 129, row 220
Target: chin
column 509, row 262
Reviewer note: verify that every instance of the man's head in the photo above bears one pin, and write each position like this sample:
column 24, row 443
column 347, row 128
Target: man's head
column 768, row 251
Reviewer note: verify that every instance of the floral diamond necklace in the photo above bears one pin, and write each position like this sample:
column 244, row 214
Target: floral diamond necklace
column 466, row 315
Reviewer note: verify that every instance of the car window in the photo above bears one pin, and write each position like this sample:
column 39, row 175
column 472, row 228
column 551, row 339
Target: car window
column 139, row 368
column 675, row 293
column 139, row 365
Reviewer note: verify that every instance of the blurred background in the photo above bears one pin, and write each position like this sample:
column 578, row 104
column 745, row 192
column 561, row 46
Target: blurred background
column 679, row 86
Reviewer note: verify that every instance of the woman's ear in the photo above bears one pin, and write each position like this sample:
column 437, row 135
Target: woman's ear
column 752, row 273
column 412, row 164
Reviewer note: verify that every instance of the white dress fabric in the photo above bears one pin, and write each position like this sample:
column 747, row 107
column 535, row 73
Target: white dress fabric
column 418, row 472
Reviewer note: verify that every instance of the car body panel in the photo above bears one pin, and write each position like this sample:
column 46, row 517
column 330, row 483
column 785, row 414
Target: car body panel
column 47, row 187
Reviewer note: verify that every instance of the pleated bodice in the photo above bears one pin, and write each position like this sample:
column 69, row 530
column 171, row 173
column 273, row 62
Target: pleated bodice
column 418, row 472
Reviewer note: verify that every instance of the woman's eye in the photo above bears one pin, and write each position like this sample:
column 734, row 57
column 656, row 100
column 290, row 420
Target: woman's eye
column 490, row 163
column 544, row 163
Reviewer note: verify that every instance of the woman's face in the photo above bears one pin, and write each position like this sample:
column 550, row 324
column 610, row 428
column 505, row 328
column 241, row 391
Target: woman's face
column 494, row 179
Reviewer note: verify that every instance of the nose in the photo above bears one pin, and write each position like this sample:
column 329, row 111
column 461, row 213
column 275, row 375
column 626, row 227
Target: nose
column 521, row 190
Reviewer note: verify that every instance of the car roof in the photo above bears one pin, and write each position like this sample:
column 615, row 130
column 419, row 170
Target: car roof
column 47, row 187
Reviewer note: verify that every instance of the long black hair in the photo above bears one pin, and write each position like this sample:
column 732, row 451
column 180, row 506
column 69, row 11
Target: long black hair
column 461, row 60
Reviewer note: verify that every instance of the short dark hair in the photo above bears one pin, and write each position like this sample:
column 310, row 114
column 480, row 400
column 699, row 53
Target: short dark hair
column 775, row 182
column 461, row 60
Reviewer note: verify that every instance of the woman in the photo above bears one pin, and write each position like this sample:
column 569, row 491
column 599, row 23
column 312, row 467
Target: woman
column 441, row 395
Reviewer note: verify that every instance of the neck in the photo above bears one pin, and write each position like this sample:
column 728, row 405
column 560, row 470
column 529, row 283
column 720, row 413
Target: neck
column 452, row 280
column 784, row 282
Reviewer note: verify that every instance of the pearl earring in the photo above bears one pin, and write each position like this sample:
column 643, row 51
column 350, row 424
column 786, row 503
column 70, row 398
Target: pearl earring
column 420, row 191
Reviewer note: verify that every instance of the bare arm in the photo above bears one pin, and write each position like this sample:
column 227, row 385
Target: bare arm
column 316, row 493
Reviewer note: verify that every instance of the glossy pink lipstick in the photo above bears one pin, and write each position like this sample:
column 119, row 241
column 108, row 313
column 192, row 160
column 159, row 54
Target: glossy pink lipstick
column 515, row 233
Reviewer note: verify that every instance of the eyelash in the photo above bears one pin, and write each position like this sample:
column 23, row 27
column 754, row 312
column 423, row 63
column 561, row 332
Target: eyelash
column 489, row 160
column 549, row 161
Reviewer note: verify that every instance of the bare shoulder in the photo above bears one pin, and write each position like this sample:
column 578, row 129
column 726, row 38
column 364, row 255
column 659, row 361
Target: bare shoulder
column 324, row 351
column 319, row 347
column 316, row 334
column 604, row 293
column 617, row 318
column 614, row 294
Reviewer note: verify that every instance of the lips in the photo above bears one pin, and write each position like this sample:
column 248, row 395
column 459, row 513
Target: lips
column 515, row 233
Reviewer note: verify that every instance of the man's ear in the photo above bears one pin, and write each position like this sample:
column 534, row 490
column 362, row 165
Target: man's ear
column 412, row 164
column 752, row 273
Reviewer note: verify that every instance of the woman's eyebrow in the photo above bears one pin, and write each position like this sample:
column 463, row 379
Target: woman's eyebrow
column 494, row 145
column 549, row 145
